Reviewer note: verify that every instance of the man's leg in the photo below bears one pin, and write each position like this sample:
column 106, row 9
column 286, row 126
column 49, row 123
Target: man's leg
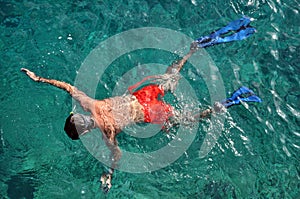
column 177, row 65
column 170, row 79
column 241, row 95
column 240, row 28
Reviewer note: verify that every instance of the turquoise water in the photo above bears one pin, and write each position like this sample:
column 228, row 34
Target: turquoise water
column 257, row 155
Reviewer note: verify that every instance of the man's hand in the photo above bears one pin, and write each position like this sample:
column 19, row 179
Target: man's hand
column 106, row 182
column 30, row 74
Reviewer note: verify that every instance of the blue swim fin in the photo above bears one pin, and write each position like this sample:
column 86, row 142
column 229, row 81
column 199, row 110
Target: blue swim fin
column 243, row 94
column 239, row 92
column 240, row 27
column 240, row 35
column 232, row 26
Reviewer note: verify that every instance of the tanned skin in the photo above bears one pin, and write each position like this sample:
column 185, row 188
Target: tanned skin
column 101, row 110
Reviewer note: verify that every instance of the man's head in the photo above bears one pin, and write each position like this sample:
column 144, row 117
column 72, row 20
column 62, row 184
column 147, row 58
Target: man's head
column 78, row 124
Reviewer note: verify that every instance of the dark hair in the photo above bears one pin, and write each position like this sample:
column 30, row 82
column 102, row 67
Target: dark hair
column 70, row 128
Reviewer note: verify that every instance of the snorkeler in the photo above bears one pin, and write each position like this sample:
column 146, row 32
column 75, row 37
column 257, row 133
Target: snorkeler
column 144, row 103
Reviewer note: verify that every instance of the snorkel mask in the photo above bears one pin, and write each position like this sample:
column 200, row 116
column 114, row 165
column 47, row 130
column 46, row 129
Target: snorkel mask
column 78, row 124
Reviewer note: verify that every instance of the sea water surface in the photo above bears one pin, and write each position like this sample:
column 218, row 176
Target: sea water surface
column 257, row 154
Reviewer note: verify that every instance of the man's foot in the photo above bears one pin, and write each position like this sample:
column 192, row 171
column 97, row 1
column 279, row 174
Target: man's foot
column 106, row 182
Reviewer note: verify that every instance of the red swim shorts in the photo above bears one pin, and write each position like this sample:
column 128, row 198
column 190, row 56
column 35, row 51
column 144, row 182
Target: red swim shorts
column 155, row 110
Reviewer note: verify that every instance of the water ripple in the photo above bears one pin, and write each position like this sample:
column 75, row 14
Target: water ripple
column 257, row 155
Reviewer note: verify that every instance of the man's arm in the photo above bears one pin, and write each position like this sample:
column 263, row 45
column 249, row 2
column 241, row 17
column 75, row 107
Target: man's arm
column 85, row 101
column 106, row 178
